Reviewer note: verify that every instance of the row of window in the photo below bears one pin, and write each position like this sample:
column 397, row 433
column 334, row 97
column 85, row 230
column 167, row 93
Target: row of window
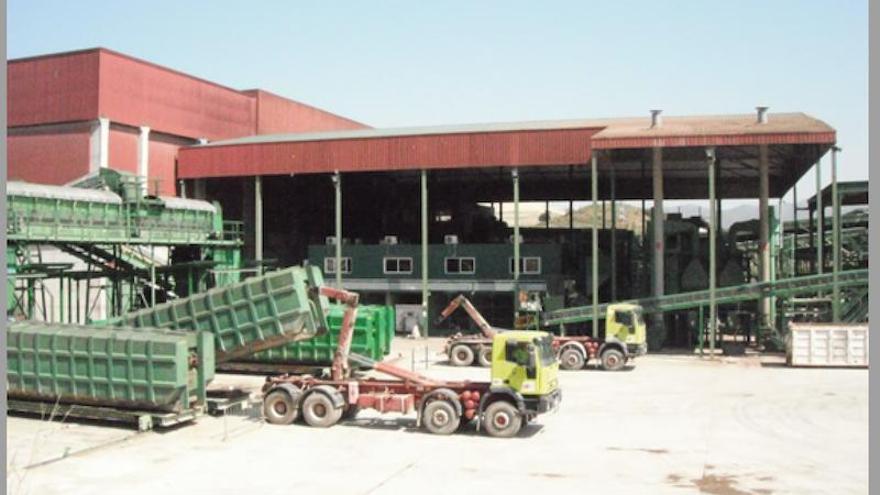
column 528, row 265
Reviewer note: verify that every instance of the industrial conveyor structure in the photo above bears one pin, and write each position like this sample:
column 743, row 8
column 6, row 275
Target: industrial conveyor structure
column 854, row 307
column 131, row 248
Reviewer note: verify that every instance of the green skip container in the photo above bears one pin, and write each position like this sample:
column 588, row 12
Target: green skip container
column 260, row 313
column 370, row 339
column 144, row 368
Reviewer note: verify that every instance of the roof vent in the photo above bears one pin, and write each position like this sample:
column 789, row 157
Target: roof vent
column 656, row 119
column 762, row 114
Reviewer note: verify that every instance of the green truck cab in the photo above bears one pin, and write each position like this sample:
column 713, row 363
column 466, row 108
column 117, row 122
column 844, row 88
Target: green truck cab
column 524, row 364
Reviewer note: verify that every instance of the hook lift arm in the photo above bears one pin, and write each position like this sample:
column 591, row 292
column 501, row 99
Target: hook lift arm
column 475, row 315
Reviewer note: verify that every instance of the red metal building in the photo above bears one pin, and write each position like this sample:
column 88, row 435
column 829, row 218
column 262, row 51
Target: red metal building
column 72, row 113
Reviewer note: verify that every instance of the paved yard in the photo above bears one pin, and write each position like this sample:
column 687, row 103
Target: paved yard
column 673, row 424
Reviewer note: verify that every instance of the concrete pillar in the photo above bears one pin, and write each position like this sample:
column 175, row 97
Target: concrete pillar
column 764, row 229
column 143, row 159
column 713, row 232
column 258, row 221
column 657, row 176
column 99, row 144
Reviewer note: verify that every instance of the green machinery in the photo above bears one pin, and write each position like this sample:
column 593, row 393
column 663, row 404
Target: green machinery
column 854, row 281
column 136, row 249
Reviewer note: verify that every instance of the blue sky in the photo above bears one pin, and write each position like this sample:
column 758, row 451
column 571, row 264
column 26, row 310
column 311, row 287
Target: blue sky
column 394, row 64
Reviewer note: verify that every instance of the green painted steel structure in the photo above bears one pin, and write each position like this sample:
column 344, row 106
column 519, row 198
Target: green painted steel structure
column 144, row 368
column 725, row 295
column 257, row 314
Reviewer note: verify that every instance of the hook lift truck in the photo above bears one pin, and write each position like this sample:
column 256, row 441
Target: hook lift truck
column 523, row 385
column 625, row 338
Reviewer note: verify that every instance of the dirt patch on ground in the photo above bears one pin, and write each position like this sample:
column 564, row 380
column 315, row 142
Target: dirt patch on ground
column 718, row 484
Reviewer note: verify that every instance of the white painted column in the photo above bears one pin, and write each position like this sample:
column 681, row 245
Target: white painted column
column 143, row 160
column 99, row 144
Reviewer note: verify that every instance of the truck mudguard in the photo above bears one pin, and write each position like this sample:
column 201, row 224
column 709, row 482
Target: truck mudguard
column 331, row 393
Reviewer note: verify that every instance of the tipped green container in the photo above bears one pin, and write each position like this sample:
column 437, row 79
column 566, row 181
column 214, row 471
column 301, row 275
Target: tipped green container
column 371, row 338
column 260, row 313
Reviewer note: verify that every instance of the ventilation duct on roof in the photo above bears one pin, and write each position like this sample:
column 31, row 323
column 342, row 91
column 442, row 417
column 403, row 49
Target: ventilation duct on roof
column 762, row 114
column 656, row 119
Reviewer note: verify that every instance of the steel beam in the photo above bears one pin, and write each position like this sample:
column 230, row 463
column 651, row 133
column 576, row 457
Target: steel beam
column 764, row 230
column 337, row 221
column 258, row 222
column 820, row 221
column 794, row 235
column 613, row 234
column 425, row 293
column 515, row 175
column 659, row 231
column 835, row 237
column 713, row 229
column 594, row 277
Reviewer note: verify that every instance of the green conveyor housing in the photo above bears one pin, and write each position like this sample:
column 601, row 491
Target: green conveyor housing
column 724, row 295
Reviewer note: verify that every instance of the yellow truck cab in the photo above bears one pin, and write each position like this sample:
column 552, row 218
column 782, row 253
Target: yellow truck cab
column 626, row 324
column 524, row 362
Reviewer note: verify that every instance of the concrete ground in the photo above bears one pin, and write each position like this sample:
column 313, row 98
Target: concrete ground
column 672, row 424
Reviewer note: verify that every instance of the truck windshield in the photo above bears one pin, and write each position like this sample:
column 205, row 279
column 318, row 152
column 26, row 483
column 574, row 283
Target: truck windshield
column 637, row 314
column 624, row 318
column 544, row 345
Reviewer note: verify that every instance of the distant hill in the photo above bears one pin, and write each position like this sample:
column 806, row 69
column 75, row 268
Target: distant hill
column 628, row 217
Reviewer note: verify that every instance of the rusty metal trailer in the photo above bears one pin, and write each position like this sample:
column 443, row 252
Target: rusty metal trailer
column 442, row 406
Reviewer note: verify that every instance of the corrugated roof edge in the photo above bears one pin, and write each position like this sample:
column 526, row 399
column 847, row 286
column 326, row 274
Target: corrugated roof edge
column 536, row 125
column 258, row 90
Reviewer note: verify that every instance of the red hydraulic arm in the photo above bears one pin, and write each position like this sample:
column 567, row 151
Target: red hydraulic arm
column 475, row 315
column 339, row 369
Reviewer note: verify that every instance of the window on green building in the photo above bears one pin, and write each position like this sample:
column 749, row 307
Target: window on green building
column 397, row 265
column 460, row 266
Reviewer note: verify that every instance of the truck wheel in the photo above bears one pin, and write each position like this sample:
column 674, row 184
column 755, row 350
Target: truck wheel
column 279, row 408
column 318, row 411
column 502, row 419
column 484, row 357
column 461, row 355
column 612, row 360
column 571, row 359
column 440, row 417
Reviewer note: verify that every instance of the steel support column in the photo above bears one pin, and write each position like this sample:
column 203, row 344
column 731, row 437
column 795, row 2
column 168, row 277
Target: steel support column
column 658, row 235
column 794, row 234
column 835, row 237
column 425, row 293
column 713, row 230
column 594, row 276
column 337, row 230
column 820, row 221
column 515, row 175
column 764, row 230
column 143, row 158
column 613, row 233
column 258, row 222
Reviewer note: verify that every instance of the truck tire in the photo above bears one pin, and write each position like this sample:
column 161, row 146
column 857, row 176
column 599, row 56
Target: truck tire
column 461, row 355
column 613, row 360
column 279, row 408
column 502, row 420
column 571, row 359
column 484, row 357
column 440, row 417
column 318, row 411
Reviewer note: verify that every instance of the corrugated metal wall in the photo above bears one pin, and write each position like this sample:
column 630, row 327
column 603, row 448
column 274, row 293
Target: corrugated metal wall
column 276, row 115
column 52, row 89
column 554, row 147
column 55, row 157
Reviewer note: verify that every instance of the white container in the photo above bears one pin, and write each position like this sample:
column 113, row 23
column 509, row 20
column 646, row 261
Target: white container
column 827, row 344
